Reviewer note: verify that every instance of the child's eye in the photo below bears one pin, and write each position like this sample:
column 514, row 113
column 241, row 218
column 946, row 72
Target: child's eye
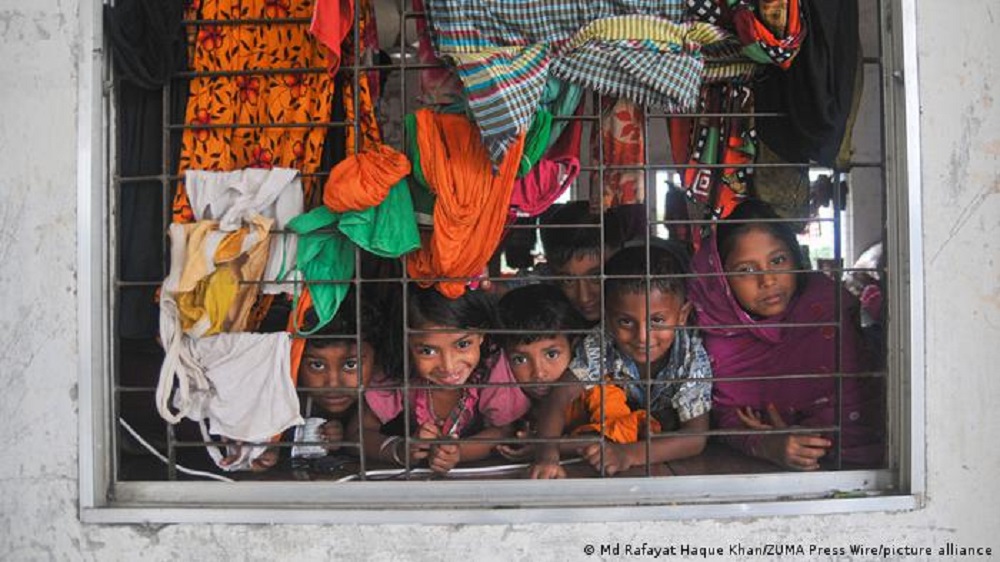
column 518, row 360
column 552, row 354
column 745, row 269
column 463, row 344
column 350, row 364
column 316, row 365
column 625, row 322
column 658, row 321
column 779, row 259
column 423, row 350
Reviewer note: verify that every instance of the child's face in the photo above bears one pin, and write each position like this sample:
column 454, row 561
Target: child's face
column 336, row 367
column 445, row 358
column 584, row 294
column 542, row 361
column 626, row 320
column 767, row 287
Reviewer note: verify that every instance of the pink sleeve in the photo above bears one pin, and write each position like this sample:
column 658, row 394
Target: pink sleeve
column 386, row 404
column 502, row 405
column 331, row 22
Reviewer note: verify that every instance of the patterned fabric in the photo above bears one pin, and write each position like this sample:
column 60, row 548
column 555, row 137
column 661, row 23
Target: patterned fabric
column 277, row 98
column 772, row 31
column 504, row 52
column 683, row 387
column 368, row 84
column 720, row 140
column 621, row 143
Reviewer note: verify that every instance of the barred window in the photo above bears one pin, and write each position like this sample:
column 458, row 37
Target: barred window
column 325, row 270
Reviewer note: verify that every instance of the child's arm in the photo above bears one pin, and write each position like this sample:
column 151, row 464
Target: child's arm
column 390, row 449
column 551, row 422
column 794, row 451
column 472, row 451
column 619, row 457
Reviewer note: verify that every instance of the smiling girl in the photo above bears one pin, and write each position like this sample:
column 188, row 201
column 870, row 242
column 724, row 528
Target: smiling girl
column 451, row 394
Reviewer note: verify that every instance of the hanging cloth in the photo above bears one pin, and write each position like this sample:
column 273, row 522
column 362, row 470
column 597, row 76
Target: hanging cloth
column 621, row 143
column 623, row 48
column 729, row 140
column 472, row 199
column 249, row 99
column 235, row 197
column 331, row 23
column 149, row 44
column 818, row 94
column 214, row 275
column 538, row 190
column 327, row 241
column 363, row 180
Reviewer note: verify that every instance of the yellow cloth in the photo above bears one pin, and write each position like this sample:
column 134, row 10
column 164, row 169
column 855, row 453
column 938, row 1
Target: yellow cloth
column 217, row 294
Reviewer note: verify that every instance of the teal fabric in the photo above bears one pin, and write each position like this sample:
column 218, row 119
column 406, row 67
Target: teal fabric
column 327, row 241
column 561, row 99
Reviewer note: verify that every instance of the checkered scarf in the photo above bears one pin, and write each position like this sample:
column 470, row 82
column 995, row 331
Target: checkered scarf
column 505, row 50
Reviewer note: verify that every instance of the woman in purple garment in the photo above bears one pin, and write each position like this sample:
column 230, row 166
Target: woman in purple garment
column 763, row 315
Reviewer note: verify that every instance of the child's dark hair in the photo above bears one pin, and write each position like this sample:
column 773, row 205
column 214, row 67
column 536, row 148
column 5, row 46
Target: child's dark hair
column 621, row 224
column 732, row 227
column 473, row 310
column 542, row 311
column 563, row 244
column 666, row 257
column 380, row 325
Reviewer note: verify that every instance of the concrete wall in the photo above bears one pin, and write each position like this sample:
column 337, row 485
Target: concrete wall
column 960, row 142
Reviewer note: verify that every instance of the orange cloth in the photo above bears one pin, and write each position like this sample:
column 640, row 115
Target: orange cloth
column 251, row 99
column 295, row 322
column 331, row 22
column 621, row 423
column 362, row 181
column 472, row 200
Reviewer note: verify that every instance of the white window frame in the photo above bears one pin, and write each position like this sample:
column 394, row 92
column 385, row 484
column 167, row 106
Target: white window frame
column 901, row 486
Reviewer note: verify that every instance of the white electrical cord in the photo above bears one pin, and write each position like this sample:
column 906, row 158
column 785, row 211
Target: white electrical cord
column 389, row 472
column 158, row 455
column 393, row 472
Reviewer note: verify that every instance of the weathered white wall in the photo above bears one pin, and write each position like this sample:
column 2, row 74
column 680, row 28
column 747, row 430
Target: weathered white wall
column 960, row 61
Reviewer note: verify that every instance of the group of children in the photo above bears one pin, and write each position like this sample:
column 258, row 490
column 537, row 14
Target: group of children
column 735, row 338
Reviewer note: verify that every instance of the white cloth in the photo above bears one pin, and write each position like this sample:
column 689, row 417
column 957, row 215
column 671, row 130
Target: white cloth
column 236, row 386
column 252, row 397
column 233, row 197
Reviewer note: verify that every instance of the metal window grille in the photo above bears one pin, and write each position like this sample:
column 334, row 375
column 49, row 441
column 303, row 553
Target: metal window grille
column 133, row 479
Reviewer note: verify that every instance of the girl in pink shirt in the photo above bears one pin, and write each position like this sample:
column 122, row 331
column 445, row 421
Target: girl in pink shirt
column 454, row 391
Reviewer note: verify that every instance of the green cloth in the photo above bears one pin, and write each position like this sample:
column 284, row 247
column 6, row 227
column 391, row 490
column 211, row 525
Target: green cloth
column 327, row 241
column 535, row 142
